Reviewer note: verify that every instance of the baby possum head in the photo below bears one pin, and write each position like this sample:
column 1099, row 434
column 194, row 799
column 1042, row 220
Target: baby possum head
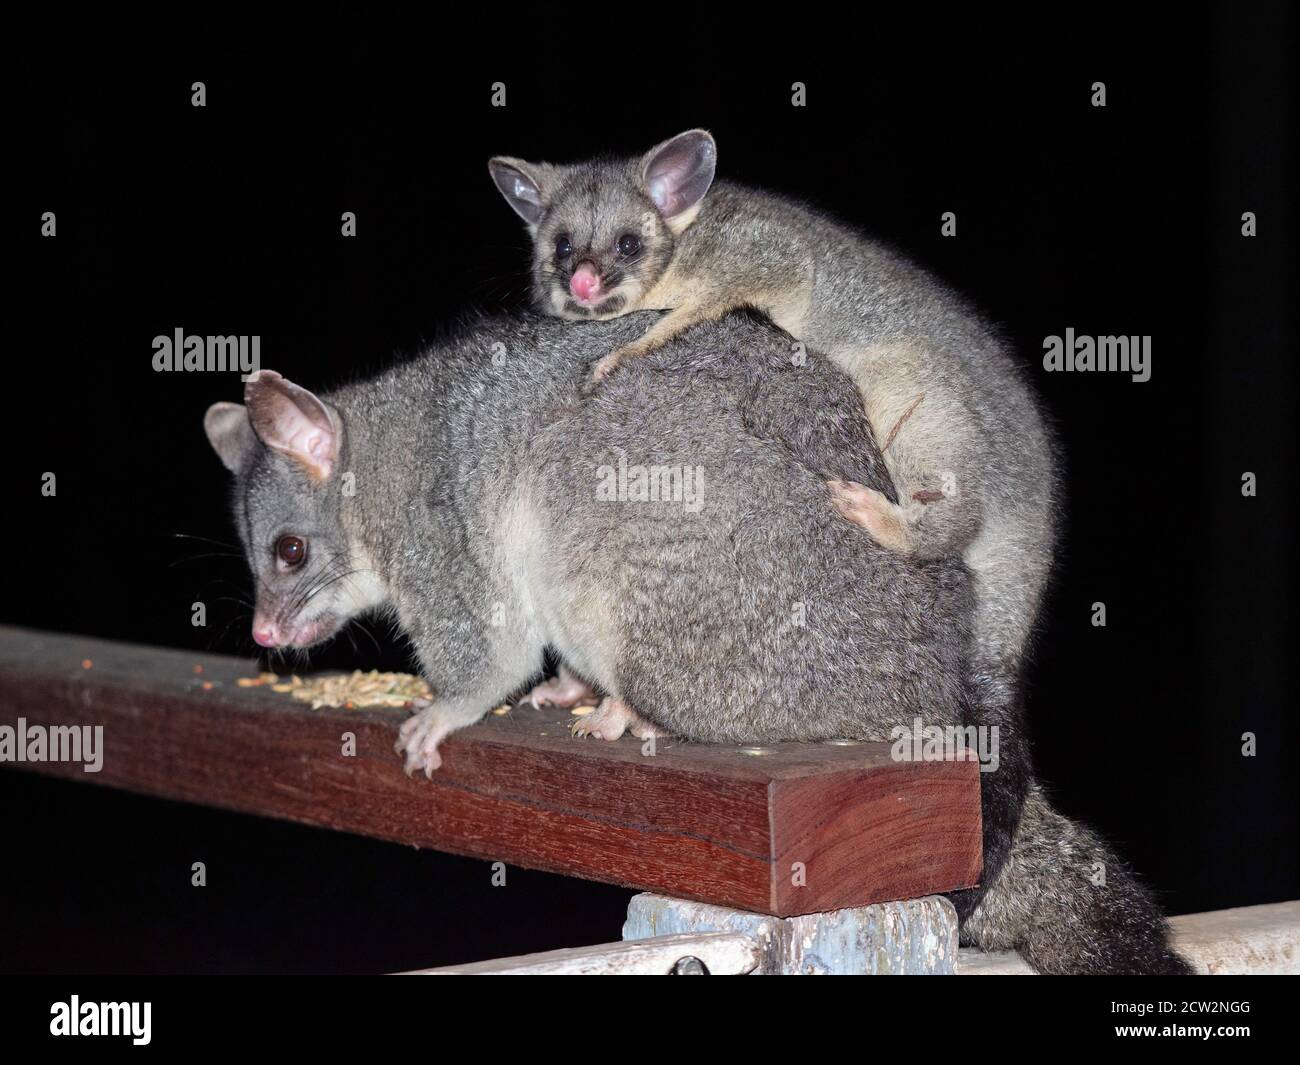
column 604, row 231
column 283, row 446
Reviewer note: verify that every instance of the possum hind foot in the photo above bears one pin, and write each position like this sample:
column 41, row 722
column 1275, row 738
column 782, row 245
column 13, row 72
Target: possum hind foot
column 885, row 521
column 611, row 719
column 564, row 690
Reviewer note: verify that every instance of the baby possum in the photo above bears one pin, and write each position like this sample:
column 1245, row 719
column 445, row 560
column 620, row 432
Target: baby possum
column 962, row 436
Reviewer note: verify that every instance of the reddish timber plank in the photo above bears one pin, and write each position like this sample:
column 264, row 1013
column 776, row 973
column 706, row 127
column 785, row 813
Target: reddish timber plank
column 695, row 821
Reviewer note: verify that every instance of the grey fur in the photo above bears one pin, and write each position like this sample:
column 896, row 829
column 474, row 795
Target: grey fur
column 477, row 511
column 976, row 437
column 758, row 616
column 967, row 449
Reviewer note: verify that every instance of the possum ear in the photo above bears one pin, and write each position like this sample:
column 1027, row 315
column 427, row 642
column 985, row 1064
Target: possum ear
column 230, row 434
column 677, row 173
column 292, row 421
column 522, row 185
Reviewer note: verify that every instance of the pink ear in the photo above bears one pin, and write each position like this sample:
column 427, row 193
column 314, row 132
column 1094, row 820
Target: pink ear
column 293, row 421
column 678, row 172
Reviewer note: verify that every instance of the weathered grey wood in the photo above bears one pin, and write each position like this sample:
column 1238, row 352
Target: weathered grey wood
column 918, row 936
column 713, row 953
column 1248, row 939
column 1260, row 940
column 971, row 961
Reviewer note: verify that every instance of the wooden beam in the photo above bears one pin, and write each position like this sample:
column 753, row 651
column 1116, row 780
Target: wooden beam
column 712, row 823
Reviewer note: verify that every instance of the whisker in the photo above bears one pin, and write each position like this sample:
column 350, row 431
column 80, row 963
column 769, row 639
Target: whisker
column 366, row 629
column 204, row 539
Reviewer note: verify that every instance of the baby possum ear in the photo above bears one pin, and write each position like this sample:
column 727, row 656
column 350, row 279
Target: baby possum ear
column 230, row 434
column 294, row 422
column 677, row 173
column 523, row 185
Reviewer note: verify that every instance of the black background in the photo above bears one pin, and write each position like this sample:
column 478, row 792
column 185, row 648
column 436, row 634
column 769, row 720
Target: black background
column 226, row 220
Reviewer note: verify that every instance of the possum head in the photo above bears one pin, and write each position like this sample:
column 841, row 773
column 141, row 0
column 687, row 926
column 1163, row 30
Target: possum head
column 604, row 231
column 283, row 446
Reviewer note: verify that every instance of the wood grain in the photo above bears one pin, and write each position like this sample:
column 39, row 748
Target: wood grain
column 696, row 821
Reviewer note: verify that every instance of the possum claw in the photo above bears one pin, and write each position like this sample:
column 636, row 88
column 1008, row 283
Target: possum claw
column 419, row 737
column 610, row 720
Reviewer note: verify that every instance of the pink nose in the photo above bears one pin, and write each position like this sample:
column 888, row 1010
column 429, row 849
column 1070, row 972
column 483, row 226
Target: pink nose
column 265, row 633
column 585, row 283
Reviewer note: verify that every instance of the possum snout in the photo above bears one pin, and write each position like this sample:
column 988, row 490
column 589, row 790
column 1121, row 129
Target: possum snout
column 585, row 284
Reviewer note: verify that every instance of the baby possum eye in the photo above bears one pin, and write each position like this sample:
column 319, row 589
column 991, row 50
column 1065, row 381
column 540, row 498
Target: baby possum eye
column 291, row 550
column 563, row 249
column 628, row 245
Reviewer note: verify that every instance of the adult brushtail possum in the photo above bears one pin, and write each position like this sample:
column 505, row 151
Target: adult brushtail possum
column 670, row 538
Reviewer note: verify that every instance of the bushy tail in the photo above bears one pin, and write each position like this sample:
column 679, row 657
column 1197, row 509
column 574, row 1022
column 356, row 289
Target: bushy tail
column 1053, row 889
column 1069, row 904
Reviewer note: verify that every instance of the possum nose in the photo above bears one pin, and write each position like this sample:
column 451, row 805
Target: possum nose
column 265, row 638
column 585, row 282
column 265, row 633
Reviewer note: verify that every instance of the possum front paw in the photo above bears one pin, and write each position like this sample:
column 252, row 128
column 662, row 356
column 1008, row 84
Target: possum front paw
column 610, row 720
column 606, row 366
column 420, row 735
column 611, row 362
column 885, row 521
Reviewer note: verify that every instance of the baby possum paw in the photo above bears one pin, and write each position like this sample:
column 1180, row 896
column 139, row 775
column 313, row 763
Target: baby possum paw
column 611, row 719
column 606, row 366
column 611, row 362
column 885, row 521
column 564, row 690
column 420, row 735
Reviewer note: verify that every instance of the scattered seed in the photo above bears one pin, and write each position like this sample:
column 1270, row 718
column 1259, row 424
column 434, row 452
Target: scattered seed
column 206, row 685
column 582, row 711
column 86, row 663
column 356, row 689
column 198, row 670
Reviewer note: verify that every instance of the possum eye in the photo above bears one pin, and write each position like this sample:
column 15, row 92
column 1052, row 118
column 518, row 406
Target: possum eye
column 291, row 550
column 563, row 249
column 628, row 245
